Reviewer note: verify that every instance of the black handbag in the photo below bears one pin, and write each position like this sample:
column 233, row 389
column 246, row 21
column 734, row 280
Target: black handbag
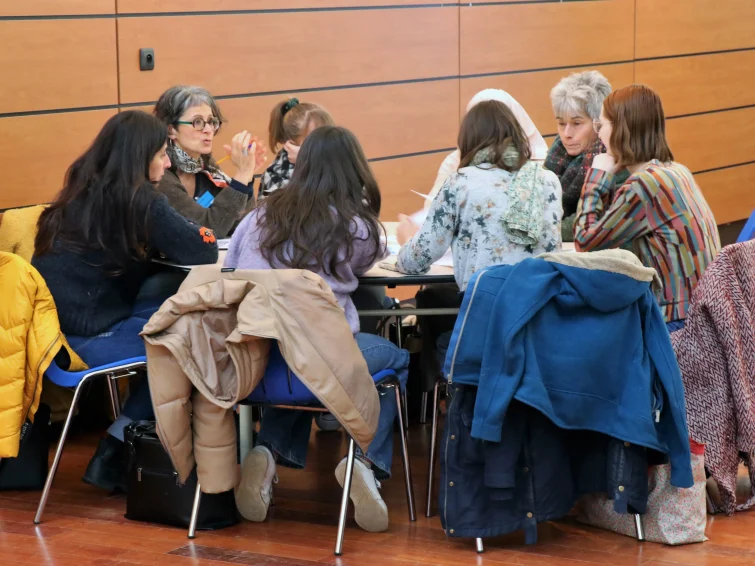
column 154, row 493
column 28, row 471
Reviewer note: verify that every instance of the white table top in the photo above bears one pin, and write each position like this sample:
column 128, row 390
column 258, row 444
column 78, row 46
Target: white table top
column 376, row 271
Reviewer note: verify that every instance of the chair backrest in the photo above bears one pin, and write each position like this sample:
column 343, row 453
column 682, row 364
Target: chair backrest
column 73, row 378
column 748, row 232
column 279, row 385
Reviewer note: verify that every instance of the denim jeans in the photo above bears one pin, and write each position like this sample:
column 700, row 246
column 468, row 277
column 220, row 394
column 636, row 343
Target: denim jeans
column 120, row 342
column 286, row 432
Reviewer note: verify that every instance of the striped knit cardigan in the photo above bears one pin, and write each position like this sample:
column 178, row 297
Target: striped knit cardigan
column 663, row 213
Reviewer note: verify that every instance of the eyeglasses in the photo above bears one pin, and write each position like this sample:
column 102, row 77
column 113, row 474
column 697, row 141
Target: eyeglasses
column 597, row 125
column 199, row 123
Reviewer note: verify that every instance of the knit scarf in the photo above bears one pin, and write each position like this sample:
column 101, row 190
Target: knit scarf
column 523, row 219
column 571, row 171
column 185, row 163
column 277, row 175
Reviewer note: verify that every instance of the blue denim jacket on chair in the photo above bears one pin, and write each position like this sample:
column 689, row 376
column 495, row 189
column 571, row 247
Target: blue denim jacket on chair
column 587, row 347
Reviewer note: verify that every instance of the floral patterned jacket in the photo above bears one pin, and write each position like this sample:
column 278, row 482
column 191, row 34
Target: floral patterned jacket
column 467, row 214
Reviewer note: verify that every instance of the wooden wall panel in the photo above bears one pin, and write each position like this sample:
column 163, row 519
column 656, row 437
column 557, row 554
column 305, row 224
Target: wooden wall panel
column 397, row 177
column 39, row 167
column 170, row 6
column 388, row 120
column 729, row 192
column 675, row 27
column 544, row 35
column 47, row 69
column 55, row 7
column 715, row 140
column 321, row 49
column 701, row 83
column 532, row 90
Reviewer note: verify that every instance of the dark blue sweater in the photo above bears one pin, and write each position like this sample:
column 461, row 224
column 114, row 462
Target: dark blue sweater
column 587, row 348
column 90, row 300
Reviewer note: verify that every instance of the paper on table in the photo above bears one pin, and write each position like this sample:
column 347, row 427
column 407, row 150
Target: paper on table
column 419, row 217
column 426, row 197
column 447, row 260
column 224, row 243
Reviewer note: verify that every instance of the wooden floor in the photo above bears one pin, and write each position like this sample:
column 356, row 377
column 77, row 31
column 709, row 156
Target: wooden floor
column 84, row 526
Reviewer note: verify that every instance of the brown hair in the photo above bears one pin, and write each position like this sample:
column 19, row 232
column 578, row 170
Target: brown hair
column 311, row 224
column 290, row 119
column 492, row 124
column 639, row 125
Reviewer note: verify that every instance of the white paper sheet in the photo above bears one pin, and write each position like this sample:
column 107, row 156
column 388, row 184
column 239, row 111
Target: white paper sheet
column 426, row 197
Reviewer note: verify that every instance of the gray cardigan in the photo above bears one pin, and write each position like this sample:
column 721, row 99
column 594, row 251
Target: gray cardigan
column 226, row 210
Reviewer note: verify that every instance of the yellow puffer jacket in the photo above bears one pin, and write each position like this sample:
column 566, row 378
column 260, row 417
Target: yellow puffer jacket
column 30, row 337
column 18, row 230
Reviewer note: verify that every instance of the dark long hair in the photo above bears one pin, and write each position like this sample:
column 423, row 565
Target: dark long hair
column 107, row 193
column 310, row 223
column 492, row 125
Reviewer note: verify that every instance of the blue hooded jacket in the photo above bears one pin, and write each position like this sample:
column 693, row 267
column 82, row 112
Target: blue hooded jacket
column 587, row 347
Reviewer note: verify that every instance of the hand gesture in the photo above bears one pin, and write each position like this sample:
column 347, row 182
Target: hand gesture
column 292, row 149
column 406, row 229
column 243, row 156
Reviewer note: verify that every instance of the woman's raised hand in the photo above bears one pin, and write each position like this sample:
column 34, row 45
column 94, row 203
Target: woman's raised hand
column 247, row 155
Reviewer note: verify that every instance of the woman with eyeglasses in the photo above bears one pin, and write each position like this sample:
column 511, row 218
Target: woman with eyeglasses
column 195, row 186
column 659, row 209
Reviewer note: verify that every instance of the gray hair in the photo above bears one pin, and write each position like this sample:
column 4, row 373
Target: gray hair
column 580, row 93
column 175, row 101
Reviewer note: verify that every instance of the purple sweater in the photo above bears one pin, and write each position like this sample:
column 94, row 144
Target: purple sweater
column 244, row 253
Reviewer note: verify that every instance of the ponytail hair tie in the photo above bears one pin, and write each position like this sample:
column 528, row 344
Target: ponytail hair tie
column 289, row 105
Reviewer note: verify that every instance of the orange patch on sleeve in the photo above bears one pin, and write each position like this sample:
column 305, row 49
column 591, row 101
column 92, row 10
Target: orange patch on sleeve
column 207, row 235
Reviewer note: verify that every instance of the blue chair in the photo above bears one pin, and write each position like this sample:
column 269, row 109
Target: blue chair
column 77, row 379
column 280, row 388
column 748, row 232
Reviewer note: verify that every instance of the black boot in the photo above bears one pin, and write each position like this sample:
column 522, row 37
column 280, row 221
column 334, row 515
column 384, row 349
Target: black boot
column 107, row 468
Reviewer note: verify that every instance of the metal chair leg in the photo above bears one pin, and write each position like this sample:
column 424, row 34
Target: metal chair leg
column 478, row 543
column 399, row 342
column 115, row 400
column 58, row 452
column 345, row 498
column 195, row 512
column 405, row 406
column 423, row 411
column 405, row 456
column 638, row 526
column 433, row 446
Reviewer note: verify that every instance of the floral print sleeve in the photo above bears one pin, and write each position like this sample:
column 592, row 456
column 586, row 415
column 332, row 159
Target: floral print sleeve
column 552, row 234
column 435, row 235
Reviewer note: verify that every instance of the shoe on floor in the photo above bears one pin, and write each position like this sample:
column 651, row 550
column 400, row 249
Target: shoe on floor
column 107, row 468
column 256, row 486
column 370, row 511
column 327, row 422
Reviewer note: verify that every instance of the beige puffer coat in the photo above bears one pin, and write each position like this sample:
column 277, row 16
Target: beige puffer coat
column 207, row 348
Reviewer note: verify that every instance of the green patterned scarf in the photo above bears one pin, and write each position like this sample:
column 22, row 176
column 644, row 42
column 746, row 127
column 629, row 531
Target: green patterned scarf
column 523, row 220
